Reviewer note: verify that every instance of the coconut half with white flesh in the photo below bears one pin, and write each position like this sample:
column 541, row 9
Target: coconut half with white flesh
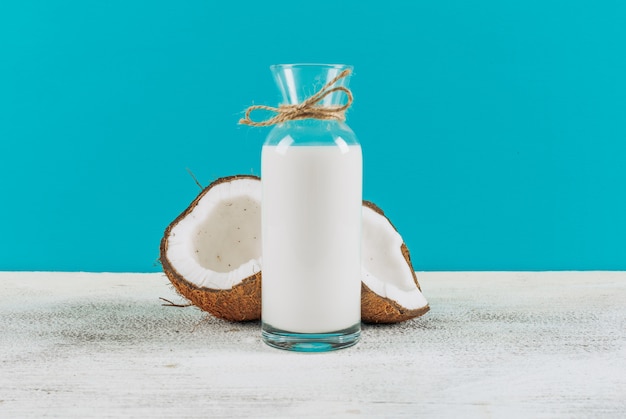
column 390, row 292
column 212, row 251
column 212, row 255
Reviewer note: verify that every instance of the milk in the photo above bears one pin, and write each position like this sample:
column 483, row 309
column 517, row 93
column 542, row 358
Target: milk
column 311, row 211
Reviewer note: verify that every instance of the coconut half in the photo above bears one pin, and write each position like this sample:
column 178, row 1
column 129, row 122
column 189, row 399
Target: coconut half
column 390, row 292
column 212, row 251
column 212, row 255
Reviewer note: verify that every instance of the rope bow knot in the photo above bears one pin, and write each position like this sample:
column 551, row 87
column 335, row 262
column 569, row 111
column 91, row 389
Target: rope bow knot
column 309, row 108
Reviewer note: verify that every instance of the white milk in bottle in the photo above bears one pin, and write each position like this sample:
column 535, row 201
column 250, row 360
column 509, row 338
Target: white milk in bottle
column 311, row 209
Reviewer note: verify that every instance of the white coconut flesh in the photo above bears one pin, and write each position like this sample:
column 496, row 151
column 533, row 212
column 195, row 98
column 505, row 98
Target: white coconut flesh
column 218, row 244
column 384, row 269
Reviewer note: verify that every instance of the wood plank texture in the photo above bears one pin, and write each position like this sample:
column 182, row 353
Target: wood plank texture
column 514, row 344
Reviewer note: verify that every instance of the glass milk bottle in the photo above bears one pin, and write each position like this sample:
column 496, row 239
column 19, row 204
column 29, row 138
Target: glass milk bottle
column 311, row 172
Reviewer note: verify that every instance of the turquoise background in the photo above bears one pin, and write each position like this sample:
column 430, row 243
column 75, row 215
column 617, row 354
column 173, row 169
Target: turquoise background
column 494, row 132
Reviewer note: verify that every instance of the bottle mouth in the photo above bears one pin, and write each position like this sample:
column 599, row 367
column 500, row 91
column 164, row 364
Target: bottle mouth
column 310, row 65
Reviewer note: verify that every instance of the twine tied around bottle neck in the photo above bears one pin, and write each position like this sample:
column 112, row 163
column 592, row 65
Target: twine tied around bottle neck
column 307, row 109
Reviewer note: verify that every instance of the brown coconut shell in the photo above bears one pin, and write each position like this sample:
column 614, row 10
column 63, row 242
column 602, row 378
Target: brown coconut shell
column 240, row 303
column 378, row 309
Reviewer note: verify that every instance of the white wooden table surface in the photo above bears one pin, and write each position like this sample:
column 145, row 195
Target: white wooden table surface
column 501, row 345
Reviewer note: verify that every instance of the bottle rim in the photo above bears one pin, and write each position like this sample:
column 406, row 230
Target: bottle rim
column 309, row 65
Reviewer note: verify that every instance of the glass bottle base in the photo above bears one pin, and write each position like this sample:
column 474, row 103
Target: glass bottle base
column 311, row 342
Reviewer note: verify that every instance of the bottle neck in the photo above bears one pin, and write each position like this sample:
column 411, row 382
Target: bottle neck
column 298, row 82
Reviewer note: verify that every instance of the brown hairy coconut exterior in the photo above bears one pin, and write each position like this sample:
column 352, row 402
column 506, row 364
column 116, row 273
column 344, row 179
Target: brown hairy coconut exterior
column 377, row 309
column 240, row 303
